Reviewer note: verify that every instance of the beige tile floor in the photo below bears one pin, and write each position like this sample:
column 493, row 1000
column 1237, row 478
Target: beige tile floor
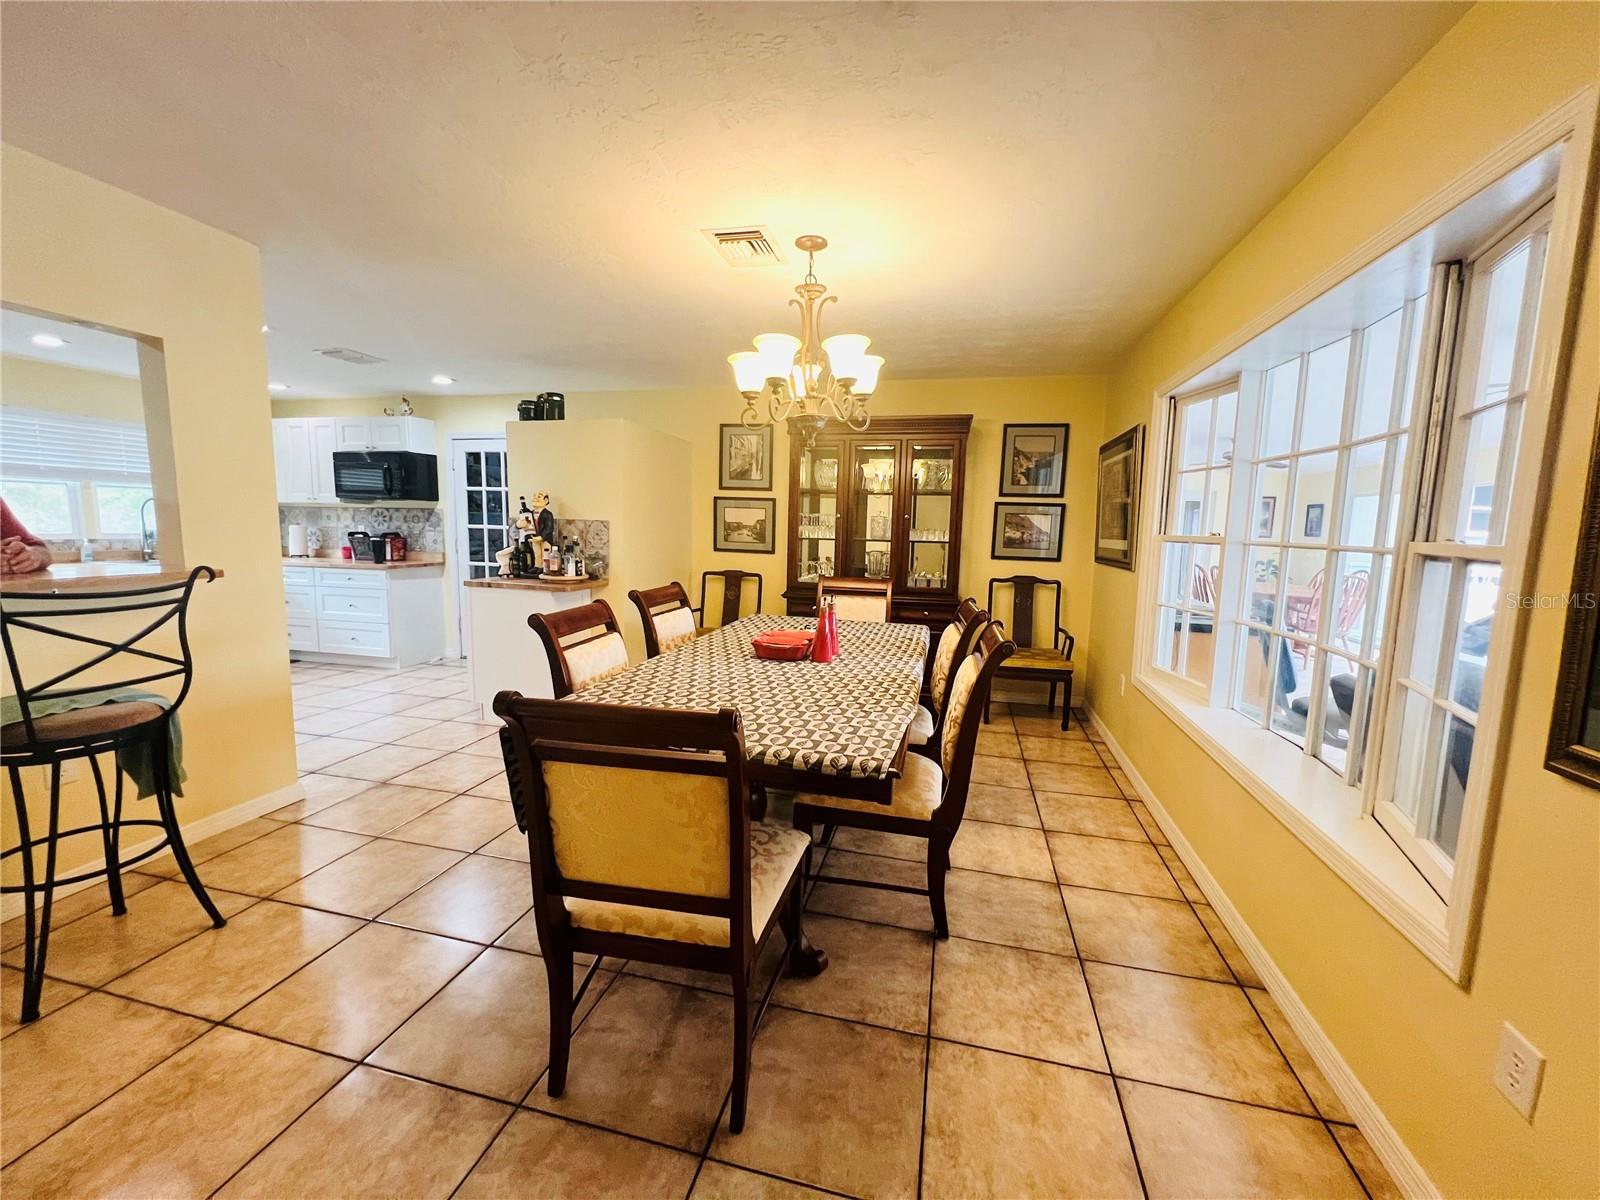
column 372, row 1020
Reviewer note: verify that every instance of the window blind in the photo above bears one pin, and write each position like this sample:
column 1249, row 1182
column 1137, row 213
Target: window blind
column 36, row 444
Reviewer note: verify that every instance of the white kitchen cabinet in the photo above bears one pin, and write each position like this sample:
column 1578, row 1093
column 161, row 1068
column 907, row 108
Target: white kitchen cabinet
column 392, row 614
column 302, row 449
column 385, row 433
column 322, row 439
column 292, row 460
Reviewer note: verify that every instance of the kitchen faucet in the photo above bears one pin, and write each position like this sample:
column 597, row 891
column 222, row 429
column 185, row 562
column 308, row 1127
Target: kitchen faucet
column 147, row 533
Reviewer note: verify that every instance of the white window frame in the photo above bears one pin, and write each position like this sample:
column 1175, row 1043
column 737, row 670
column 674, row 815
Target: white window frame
column 1327, row 816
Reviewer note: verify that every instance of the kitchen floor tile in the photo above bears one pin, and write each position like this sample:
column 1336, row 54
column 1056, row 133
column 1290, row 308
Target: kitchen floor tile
column 203, row 851
column 271, row 863
column 718, row 1181
column 998, row 1125
column 370, row 878
column 452, row 772
column 390, row 701
column 1073, row 751
column 220, row 970
column 63, row 1064
column 377, row 1135
column 1315, row 1082
column 353, row 997
column 460, row 823
column 1142, row 931
column 321, row 791
column 575, row 1162
column 512, row 844
column 441, row 710
column 1092, row 816
column 1111, row 865
column 52, row 996
column 873, row 904
column 1197, row 1146
column 1190, row 1033
column 1374, row 1175
column 325, row 721
column 99, row 947
column 1073, row 779
column 886, row 845
column 999, row 743
column 487, row 746
column 1005, row 772
column 383, row 763
column 495, row 787
column 652, row 1060
column 323, row 752
column 1186, row 882
column 798, row 1122
column 478, row 899
column 1033, row 725
column 389, row 728
column 1230, row 949
column 876, row 973
column 379, row 809
column 1147, row 821
column 446, row 735
column 67, row 909
column 1021, row 1001
column 1002, row 850
column 1012, row 912
column 1001, row 805
column 182, row 1128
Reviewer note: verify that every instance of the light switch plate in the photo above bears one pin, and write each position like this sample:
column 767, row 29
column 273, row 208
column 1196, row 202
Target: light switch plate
column 1518, row 1070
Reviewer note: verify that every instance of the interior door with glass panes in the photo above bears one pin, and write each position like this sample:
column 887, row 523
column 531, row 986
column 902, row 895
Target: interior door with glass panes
column 873, row 468
column 818, row 514
column 930, row 529
column 481, row 510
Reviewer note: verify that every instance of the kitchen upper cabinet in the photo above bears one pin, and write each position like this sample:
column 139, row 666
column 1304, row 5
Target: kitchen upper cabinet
column 322, row 441
column 384, row 433
column 302, row 449
column 292, row 458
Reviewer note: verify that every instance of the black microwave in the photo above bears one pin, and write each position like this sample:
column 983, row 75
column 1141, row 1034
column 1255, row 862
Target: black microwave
column 372, row 477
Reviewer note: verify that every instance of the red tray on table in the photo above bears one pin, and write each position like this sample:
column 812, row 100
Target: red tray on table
column 783, row 645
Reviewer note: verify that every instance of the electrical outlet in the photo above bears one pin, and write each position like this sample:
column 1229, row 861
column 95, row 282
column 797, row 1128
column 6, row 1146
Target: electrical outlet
column 1518, row 1070
column 1122, row 685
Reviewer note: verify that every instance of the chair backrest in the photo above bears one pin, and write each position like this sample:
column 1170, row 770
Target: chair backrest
column 1205, row 588
column 856, row 599
column 955, row 643
column 641, row 806
column 969, row 692
column 1024, row 590
column 1352, row 599
column 732, row 594
column 74, row 626
column 668, row 619
column 584, row 644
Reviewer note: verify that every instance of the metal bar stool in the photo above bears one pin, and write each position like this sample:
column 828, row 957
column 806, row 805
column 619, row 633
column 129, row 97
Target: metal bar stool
column 49, row 734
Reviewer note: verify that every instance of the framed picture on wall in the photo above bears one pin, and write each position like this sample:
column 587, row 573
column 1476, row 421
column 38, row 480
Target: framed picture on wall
column 1028, row 531
column 1574, row 747
column 744, row 525
column 1033, row 460
column 745, row 458
column 1266, row 516
column 1116, row 518
column 1314, row 513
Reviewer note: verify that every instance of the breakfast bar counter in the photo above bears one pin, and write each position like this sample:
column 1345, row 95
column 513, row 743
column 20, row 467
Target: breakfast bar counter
column 503, row 654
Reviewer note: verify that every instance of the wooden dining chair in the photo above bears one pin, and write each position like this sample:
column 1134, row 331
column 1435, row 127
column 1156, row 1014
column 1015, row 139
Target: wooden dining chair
column 1051, row 664
column 641, row 847
column 668, row 619
column 930, row 798
column 733, row 590
column 955, row 643
column 855, row 599
column 584, row 644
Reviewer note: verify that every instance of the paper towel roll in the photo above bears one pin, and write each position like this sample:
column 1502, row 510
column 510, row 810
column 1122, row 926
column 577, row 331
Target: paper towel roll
column 297, row 542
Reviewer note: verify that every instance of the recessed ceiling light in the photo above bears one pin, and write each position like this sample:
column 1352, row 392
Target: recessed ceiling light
column 48, row 340
column 444, row 380
column 277, row 387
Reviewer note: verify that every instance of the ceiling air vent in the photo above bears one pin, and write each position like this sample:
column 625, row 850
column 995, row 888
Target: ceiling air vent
column 747, row 246
column 347, row 355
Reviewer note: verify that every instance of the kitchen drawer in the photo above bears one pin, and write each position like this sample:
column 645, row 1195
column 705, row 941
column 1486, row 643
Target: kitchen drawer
column 336, row 637
column 300, row 601
column 351, row 604
column 302, row 634
column 299, row 576
column 327, row 577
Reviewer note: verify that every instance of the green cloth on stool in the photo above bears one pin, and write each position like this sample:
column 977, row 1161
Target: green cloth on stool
column 135, row 759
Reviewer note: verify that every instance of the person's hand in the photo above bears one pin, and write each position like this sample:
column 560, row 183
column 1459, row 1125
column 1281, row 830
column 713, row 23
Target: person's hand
column 19, row 558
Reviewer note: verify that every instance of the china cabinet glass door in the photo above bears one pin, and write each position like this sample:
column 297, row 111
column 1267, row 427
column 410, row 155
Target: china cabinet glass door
column 817, row 514
column 928, row 519
column 872, row 508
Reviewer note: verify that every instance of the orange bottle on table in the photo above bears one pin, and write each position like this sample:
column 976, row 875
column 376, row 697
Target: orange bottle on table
column 826, row 642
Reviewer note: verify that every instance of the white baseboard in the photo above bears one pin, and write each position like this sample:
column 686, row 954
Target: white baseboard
column 195, row 831
column 1408, row 1173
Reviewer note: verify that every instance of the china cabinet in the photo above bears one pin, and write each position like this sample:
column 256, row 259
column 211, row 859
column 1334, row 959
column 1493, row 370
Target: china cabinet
column 885, row 504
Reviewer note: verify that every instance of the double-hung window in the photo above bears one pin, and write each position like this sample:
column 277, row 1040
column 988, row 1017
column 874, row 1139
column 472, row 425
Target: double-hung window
column 72, row 477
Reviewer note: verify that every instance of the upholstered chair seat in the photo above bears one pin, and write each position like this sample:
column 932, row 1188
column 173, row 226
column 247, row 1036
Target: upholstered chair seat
column 916, row 794
column 955, row 641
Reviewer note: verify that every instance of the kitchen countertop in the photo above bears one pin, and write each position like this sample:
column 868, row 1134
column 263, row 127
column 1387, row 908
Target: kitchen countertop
column 554, row 584
column 94, row 577
column 419, row 559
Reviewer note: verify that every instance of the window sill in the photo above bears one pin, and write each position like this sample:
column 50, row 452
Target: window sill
column 1322, row 812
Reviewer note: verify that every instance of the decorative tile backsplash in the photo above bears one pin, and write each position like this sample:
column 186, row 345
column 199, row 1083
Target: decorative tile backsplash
column 423, row 527
column 593, row 536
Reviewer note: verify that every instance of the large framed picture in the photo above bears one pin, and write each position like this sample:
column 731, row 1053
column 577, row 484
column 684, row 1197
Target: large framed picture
column 746, row 458
column 745, row 525
column 1574, row 747
column 1033, row 460
column 1028, row 531
column 1116, row 519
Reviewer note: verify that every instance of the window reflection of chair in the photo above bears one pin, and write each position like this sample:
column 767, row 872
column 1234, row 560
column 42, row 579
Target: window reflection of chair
column 1352, row 602
column 1300, row 613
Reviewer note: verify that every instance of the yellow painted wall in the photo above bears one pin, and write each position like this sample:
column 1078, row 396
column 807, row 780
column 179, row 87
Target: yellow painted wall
column 694, row 414
column 75, row 247
column 53, row 387
column 1423, row 1046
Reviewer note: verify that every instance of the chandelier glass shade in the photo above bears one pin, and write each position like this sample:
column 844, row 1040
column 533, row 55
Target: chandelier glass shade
column 809, row 380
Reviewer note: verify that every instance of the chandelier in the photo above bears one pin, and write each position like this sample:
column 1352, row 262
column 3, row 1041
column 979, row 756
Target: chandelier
column 807, row 380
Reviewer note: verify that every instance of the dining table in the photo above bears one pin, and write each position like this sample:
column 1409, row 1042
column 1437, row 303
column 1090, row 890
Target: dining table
column 838, row 728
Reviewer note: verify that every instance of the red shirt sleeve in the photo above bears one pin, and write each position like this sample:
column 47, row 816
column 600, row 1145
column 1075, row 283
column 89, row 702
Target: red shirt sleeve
column 10, row 527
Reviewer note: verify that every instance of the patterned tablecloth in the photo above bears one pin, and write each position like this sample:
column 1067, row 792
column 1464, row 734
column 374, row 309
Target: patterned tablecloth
column 847, row 717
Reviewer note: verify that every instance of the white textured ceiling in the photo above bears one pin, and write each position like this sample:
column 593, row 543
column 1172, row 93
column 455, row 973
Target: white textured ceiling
column 512, row 194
